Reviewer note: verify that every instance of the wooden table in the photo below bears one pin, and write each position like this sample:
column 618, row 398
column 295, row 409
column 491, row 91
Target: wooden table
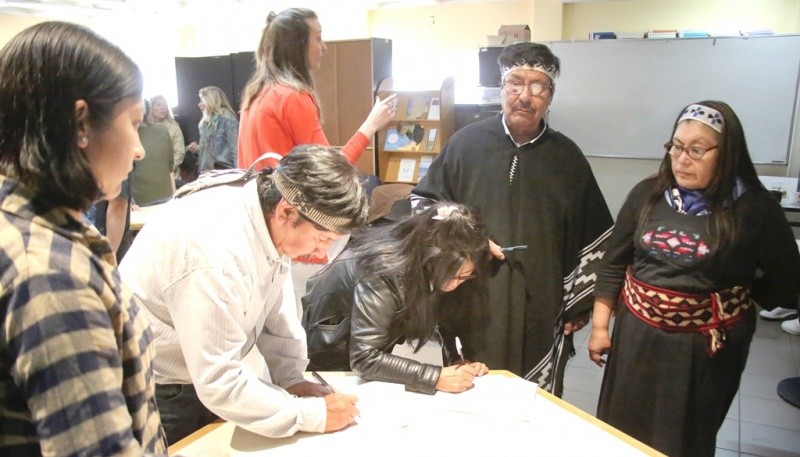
column 501, row 413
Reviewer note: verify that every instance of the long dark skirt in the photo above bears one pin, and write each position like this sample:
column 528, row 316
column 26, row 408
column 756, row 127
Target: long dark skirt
column 663, row 388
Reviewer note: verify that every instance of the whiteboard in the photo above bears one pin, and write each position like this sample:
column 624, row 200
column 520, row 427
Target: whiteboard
column 620, row 98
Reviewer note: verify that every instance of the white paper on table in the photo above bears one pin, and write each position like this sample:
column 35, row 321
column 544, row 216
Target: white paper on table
column 492, row 396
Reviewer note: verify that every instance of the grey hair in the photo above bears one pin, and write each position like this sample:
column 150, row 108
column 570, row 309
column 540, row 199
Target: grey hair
column 324, row 178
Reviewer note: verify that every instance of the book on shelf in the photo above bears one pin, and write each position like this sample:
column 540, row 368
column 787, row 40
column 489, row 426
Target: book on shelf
column 757, row 32
column 404, row 137
column 602, row 36
column 424, row 164
column 693, row 34
column 430, row 143
column 395, row 140
column 661, row 33
column 433, row 111
column 405, row 172
column 630, row 35
column 417, row 107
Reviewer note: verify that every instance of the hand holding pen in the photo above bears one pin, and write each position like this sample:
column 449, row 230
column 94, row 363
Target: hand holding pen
column 460, row 377
column 341, row 409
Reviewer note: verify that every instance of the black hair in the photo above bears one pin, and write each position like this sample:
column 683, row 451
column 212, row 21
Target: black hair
column 733, row 161
column 323, row 176
column 426, row 251
column 44, row 71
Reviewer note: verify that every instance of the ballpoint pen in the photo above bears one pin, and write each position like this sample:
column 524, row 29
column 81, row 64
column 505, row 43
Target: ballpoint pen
column 321, row 380
column 514, row 248
column 460, row 351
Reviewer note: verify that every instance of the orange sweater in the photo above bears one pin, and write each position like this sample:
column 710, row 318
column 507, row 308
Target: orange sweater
column 280, row 118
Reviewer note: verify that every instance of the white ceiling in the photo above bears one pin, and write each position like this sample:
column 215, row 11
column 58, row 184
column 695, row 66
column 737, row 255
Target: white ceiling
column 57, row 8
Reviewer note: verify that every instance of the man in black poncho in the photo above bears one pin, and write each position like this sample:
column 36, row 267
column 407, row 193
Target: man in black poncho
column 533, row 186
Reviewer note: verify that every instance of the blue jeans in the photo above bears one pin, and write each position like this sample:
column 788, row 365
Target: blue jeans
column 181, row 411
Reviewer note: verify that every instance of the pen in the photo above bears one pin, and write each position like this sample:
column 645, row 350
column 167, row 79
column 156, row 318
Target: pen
column 321, row 380
column 460, row 351
column 514, row 248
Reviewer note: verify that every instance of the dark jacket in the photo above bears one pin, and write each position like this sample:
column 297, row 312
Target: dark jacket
column 372, row 309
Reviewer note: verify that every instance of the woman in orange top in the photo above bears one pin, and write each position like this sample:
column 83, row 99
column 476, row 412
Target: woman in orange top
column 280, row 106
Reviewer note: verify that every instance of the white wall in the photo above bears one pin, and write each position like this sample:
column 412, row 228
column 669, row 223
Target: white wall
column 213, row 28
column 617, row 176
column 431, row 42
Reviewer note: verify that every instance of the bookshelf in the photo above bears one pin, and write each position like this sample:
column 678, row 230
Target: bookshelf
column 424, row 122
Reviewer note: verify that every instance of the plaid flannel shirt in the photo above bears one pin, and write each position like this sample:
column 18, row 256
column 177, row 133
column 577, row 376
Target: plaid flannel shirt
column 75, row 353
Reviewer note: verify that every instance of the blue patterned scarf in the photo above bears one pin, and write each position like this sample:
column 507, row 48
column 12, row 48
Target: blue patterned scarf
column 694, row 202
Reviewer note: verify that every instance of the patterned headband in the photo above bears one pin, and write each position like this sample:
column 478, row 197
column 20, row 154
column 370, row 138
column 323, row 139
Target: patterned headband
column 704, row 114
column 300, row 202
column 549, row 71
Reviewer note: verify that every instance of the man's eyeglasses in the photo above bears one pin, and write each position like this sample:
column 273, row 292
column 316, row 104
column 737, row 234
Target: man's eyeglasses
column 694, row 152
column 516, row 87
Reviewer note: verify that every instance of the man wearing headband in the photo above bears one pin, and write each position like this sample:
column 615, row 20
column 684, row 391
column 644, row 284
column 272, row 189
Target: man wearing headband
column 209, row 270
column 694, row 247
column 532, row 186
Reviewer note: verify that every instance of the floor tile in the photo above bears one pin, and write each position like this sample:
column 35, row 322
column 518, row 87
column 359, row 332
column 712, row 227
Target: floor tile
column 754, row 385
column 583, row 380
column 728, row 435
column 770, row 367
column 773, row 413
column 771, row 330
column 733, row 411
column 770, row 347
column 725, row 453
column 581, row 400
column 766, row 441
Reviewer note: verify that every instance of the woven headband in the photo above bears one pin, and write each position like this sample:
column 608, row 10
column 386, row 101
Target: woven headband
column 292, row 194
column 704, row 114
column 549, row 71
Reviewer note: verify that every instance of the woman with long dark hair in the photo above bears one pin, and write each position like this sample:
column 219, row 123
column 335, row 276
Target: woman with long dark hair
column 693, row 248
column 386, row 288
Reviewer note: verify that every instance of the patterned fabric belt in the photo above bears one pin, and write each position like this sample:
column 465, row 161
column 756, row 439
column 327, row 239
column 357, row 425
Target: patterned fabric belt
column 709, row 314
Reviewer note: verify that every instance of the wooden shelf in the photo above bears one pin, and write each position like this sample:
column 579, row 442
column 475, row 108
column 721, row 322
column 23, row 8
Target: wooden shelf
column 410, row 142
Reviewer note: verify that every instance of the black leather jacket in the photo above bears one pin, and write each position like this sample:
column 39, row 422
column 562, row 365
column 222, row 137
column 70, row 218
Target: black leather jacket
column 374, row 305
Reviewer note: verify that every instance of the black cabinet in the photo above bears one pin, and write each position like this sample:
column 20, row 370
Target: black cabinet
column 469, row 113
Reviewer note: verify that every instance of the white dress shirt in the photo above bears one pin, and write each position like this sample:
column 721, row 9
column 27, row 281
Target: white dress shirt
column 210, row 281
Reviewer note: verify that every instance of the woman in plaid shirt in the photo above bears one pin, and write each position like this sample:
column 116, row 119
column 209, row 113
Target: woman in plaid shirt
column 75, row 352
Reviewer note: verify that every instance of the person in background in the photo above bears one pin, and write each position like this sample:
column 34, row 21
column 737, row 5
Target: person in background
column 280, row 105
column 219, row 132
column 387, row 287
column 160, row 114
column 75, row 352
column 212, row 291
column 152, row 180
column 534, row 188
column 685, row 256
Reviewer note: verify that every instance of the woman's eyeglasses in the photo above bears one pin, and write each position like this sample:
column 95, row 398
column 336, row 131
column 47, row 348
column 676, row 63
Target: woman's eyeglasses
column 694, row 152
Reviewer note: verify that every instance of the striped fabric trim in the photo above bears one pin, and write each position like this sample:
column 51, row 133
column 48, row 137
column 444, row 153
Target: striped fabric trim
column 578, row 286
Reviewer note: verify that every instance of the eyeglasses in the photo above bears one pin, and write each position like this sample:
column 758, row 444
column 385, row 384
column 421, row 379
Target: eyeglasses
column 694, row 152
column 516, row 87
